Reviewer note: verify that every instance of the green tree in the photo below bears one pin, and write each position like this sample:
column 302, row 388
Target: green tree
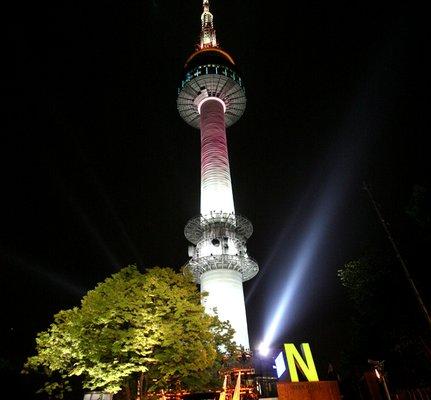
column 364, row 279
column 418, row 208
column 384, row 322
column 134, row 334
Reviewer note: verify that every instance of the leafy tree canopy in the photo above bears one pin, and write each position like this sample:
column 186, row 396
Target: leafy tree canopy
column 384, row 321
column 135, row 333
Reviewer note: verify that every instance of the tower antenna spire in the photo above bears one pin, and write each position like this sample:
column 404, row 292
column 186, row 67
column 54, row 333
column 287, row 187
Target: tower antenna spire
column 208, row 34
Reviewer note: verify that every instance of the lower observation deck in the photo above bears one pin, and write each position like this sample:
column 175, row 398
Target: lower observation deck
column 196, row 227
column 246, row 266
column 211, row 80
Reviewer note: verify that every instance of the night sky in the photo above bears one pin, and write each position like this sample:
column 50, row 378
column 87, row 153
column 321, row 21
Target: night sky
column 99, row 171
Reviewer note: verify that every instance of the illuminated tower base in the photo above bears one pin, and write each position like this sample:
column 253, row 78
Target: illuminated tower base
column 225, row 294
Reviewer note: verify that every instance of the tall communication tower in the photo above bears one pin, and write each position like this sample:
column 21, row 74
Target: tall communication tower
column 211, row 97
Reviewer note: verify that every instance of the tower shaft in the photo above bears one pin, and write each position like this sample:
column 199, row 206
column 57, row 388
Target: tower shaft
column 216, row 186
column 224, row 287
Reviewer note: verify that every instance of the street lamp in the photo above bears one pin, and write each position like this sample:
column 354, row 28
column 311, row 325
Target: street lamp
column 380, row 374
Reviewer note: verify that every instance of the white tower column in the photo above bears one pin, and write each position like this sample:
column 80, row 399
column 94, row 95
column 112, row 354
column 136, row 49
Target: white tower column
column 224, row 286
column 225, row 294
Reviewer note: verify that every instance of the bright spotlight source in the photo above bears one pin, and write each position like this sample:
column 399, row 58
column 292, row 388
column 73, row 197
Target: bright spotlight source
column 263, row 349
column 300, row 264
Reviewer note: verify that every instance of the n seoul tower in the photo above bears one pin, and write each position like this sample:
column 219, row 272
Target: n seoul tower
column 211, row 97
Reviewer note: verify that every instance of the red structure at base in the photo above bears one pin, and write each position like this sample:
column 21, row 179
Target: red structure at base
column 322, row 390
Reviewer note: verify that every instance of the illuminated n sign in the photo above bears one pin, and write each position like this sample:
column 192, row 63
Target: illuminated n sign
column 295, row 360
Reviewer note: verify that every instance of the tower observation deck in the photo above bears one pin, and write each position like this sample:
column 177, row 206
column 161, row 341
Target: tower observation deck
column 211, row 97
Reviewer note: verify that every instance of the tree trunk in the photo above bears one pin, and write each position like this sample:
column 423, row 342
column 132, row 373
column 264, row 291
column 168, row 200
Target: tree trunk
column 139, row 394
column 145, row 386
column 128, row 393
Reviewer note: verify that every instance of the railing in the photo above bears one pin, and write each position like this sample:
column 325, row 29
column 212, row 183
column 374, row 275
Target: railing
column 210, row 69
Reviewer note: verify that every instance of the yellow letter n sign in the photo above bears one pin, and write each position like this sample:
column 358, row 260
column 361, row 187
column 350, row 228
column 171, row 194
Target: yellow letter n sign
column 305, row 363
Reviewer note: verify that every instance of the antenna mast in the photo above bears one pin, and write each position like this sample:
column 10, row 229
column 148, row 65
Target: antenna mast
column 406, row 271
column 208, row 33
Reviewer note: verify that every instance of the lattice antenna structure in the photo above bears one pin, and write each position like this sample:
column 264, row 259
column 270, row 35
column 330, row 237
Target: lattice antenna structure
column 208, row 33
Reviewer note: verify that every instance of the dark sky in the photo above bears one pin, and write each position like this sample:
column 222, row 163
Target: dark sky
column 99, row 171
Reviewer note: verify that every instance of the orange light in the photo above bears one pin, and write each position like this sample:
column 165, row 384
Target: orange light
column 377, row 374
column 217, row 50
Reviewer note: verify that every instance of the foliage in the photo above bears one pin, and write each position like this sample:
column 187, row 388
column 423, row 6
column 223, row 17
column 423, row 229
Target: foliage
column 385, row 321
column 363, row 279
column 135, row 332
column 382, row 324
column 418, row 208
